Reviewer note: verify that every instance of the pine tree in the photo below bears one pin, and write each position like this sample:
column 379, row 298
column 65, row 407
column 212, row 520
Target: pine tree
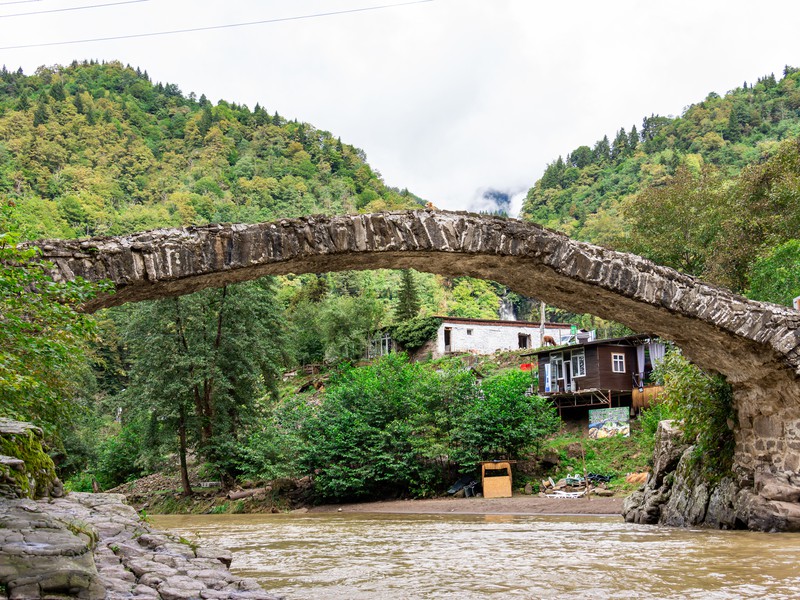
column 408, row 303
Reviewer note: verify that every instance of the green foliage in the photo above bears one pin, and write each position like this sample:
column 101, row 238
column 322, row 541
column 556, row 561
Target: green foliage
column 501, row 421
column 120, row 458
column 650, row 417
column 676, row 224
column 217, row 352
column 413, row 334
column 725, row 174
column 704, row 405
column 103, row 150
column 346, row 324
column 775, row 277
column 408, row 302
column 42, row 337
column 79, row 482
column 382, row 430
column 474, row 299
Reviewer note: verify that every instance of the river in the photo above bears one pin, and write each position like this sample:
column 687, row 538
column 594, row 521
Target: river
column 383, row 556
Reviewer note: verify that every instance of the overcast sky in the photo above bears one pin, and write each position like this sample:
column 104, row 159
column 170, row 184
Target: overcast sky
column 447, row 97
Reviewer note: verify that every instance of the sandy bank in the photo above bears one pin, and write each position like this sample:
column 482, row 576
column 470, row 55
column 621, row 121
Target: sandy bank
column 518, row 505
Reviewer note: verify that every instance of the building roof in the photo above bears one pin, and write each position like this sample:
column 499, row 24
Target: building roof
column 628, row 340
column 467, row 321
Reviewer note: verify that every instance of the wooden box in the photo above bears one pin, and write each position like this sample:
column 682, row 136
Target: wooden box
column 496, row 479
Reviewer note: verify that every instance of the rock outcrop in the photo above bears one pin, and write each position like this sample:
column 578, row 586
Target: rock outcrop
column 94, row 546
column 678, row 494
column 26, row 470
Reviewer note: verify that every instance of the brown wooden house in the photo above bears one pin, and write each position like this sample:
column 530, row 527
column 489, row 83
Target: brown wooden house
column 610, row 372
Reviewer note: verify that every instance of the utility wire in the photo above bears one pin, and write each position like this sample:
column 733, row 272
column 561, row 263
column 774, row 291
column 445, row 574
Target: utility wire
column 56, row 10
column 19, row 2
column 213, row 27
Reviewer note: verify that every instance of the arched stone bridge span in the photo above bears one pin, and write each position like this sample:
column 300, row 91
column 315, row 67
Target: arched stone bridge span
column 756, row 345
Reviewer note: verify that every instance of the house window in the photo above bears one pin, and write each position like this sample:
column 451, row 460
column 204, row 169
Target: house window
column 578, row 363
column 524, row 340
column 557, row 370
column 469, row 331
column 617, row 363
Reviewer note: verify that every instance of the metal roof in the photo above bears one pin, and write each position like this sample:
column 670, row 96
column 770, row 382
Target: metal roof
column 628, row 340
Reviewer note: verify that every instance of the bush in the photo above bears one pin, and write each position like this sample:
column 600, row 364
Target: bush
column 501, row 421
column 382, row 430
column 119, row 458
column 704, row 405
column 413, row 334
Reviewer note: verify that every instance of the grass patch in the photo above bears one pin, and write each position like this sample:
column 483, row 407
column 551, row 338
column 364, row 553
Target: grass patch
column 614, row 456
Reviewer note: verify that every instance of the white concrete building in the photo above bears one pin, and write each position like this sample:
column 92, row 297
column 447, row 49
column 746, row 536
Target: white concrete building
column 483, row 336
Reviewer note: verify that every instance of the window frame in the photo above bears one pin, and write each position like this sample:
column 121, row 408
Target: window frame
column 578, row 358
column 614, row 361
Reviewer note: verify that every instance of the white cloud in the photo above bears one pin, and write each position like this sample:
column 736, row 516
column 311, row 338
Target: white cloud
column 448, row 97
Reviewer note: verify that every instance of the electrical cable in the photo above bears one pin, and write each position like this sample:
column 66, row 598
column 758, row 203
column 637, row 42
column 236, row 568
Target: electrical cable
column 19, row 2
column 56, row 10
column 213, row 27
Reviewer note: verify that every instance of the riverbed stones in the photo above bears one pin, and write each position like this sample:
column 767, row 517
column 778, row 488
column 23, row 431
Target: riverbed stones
column 94, row 546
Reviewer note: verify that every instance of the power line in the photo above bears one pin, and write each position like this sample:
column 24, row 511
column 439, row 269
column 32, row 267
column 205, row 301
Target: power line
column 56, row 10
column 19, row 2
column 213, row 27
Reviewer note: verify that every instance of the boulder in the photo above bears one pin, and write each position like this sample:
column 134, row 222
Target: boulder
column 668, row 450
column 26, row 470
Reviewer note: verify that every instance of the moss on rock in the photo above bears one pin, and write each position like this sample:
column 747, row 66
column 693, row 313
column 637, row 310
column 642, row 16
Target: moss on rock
column 35, row 477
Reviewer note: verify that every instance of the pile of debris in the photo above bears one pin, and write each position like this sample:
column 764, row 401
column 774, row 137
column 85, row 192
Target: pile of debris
column 575, row 486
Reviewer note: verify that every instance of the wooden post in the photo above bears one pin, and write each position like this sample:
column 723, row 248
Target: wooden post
column 542, row 310
column 585, row 475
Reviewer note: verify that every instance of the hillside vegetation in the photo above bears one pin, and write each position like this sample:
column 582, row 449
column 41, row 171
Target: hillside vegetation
column 714, row 192
column 97, row 148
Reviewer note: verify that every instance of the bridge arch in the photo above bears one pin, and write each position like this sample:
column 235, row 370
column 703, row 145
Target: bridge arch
column 755, row 345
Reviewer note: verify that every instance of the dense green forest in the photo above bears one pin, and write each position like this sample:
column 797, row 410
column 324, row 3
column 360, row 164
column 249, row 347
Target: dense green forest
column 714, row 192
column 98, row 148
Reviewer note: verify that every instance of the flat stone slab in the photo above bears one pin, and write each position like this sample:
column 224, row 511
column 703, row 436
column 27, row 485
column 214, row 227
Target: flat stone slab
column 94, row 546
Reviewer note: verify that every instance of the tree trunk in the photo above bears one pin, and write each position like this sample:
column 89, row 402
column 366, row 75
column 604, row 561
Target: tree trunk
column 187, row 488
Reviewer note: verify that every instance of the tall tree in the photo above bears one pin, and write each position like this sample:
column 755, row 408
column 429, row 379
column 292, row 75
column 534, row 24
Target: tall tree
column 676, row 224
column 408, row 302
column 201, row 362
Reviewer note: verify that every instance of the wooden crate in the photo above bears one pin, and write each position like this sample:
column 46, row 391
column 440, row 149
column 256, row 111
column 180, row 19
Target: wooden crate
column 496, row 486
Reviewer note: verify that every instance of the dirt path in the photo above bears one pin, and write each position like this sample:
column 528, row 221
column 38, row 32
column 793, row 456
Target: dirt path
column 518, row 505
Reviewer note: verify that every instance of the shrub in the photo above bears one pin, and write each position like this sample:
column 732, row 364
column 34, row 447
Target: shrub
column 704, row 405
column 501, row 421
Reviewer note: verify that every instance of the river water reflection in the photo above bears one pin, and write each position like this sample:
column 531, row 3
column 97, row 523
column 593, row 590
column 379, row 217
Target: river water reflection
column 382, row 556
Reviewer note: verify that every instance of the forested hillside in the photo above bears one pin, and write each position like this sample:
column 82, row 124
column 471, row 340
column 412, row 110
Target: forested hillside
column 95, row 149
column 714, row 192
column 100, row 149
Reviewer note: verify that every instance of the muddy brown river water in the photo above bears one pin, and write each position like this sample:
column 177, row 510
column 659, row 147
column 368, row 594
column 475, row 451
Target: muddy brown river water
column 391, row 556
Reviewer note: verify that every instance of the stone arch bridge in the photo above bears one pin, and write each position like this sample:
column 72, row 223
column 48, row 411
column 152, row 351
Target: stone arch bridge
column 755, row 345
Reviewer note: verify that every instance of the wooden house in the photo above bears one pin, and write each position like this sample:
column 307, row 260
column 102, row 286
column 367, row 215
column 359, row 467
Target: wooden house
column 610, row 372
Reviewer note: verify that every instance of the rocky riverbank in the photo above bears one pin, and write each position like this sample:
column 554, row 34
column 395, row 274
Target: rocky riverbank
column 677, row 494
column 94, row 546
